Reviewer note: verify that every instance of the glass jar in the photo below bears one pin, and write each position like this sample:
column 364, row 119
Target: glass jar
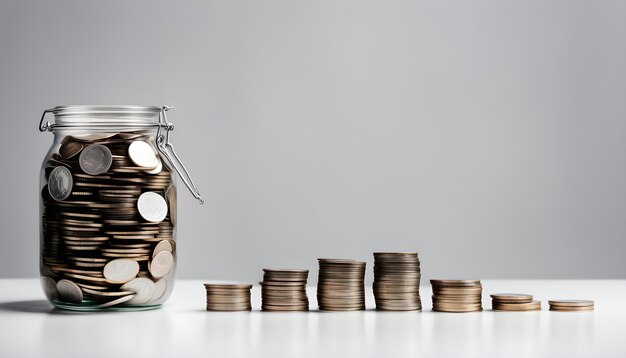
column 108, row 208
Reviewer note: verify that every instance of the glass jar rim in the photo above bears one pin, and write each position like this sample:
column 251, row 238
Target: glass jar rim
column 95, row 115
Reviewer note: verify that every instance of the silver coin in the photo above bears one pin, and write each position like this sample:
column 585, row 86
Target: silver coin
column 49, row 288
column 117, row 301
column 60, row 183
column 156, row 170
column 121, row 270
column 161, row 264
column 69, row 291
column 152, row 207
column 143, row 288
column 160, row 286
column 95, row 159
column 143, row 155
column 164, row 245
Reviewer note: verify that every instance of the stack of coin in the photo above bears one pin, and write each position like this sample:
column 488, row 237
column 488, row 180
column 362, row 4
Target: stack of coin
column 228, row 297
column 284, row 290
column 340, row 285
column 107, row 233
column 397, row 281
column 514, row 302
column 571, row 305
column 457, row 295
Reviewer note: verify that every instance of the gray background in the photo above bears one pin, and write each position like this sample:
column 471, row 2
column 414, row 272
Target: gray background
column 489, row 135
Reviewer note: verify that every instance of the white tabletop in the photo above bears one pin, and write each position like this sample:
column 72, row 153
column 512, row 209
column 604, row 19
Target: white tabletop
column 182, row 328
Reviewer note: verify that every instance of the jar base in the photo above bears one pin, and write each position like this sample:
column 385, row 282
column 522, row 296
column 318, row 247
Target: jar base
column 94, row 307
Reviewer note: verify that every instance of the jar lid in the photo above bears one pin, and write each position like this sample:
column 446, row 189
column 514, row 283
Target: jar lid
column 76, row 115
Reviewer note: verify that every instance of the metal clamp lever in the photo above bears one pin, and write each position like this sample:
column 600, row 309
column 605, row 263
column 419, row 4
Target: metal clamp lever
column 45, row 126
column 163, row 144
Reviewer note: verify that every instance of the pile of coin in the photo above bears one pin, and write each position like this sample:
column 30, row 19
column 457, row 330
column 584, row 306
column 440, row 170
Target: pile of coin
column 284, row 290
column 571, row 305
column 397, row 281
column 108, row 217
column 340, row 286
column 228, row 297
column 457, row 295
column 514, row 302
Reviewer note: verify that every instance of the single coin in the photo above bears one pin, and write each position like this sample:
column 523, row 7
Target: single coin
column 69, row 291
column 156, row 170
column 455, row 283
column 170, row 194
column 161, row 264
column 69, row 149
column 121, row 270
column 49, row 288
column 142, row 154
column 95, row 159
column 160, row 286
column 60, row 183
column 511, row 298
column 152, row 207
column 123, row 299
column 571, row 303
column 227, row 286
column 143, row 287
column 571, row 309
column 103, row 293
column 164, row 245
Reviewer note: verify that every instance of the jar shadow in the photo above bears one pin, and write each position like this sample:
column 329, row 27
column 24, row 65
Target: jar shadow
column 34, row 306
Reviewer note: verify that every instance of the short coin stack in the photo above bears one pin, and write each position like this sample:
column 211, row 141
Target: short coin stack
column 514, row 302
column 571, row 305
column 228, row 297
column 284, row 290
column 457, row 295
column 340, row 286
column 397, row 281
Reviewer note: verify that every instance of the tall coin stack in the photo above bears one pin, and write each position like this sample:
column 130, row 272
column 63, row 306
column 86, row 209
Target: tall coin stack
column 284, row 290
column 397, row 281
column 228, row 297
column 517, row 302
column 340, row 285
column 108, row 220
column 457, row 295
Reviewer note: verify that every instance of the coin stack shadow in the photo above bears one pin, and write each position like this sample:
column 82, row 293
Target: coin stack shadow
column 397, row 281
column 228, row 297
column 284, row 290
column 93, row 216
column 571, row 305
column 340, row 285
column 457, row 295
column 517, row 302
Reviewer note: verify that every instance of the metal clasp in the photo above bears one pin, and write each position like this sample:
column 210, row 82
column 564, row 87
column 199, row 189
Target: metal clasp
column 43, row 127
column 163, row 144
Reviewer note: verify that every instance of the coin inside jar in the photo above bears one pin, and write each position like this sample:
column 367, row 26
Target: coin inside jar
column 69, row 291
column 121, row 270
column 95, row 159
column 152, row 207
column 142, row 154
column 60, row 183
